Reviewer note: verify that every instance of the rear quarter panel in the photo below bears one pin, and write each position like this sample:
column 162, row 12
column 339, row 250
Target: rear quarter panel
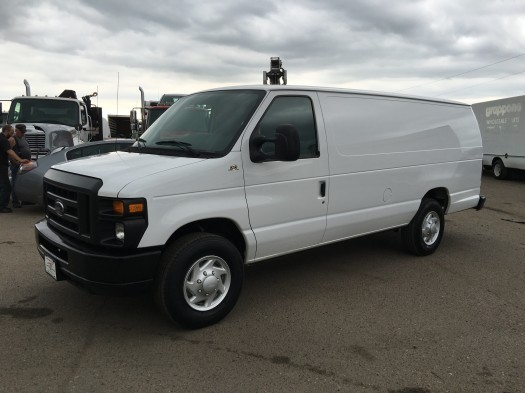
column 387, row 152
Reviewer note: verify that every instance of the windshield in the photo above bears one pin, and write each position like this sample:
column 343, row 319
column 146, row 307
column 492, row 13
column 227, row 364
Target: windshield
column 202, row 124
column 40, row 110
column 169, row 99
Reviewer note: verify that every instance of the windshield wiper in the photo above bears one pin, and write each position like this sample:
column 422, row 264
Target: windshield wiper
column 138, row 141
column 184, row 145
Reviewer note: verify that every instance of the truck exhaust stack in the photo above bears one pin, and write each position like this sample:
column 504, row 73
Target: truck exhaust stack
column 28, row 88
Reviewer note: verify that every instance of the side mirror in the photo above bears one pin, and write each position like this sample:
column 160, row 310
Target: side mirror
column 286, row 141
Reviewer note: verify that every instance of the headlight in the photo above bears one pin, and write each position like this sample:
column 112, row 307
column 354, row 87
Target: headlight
column 122, row 222
column 24, row 168
column 119, row 231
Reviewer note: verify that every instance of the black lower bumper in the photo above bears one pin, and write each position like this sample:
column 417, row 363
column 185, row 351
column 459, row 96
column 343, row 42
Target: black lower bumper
column 96, row 270
column 481, row 202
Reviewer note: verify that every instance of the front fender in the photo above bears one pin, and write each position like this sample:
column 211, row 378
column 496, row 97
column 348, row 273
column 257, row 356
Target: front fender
column 167, row 214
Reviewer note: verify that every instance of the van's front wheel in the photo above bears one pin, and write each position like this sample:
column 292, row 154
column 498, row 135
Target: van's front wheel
column 423, row 234
column 200, row 279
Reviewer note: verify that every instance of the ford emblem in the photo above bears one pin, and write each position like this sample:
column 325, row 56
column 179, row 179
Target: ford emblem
column 59, row 208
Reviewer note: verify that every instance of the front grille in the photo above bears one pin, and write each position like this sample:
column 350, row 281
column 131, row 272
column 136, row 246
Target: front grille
column 36, row 141
column 69, row 210
column 71, row 204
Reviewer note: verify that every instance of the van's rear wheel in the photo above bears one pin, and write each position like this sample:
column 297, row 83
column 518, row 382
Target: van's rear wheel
column 423, row 234
column 499, row 171
column 200, row 279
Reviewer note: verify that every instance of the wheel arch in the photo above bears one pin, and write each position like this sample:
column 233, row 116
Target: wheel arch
column 218, row 226
column 496, row 159
column 441, row 195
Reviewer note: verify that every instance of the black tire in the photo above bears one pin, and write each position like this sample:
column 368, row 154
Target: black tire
column 200, row 279
column 499, row 171
column 423, row 234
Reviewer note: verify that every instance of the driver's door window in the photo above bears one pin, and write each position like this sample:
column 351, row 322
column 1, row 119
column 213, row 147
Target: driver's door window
column 293, row 110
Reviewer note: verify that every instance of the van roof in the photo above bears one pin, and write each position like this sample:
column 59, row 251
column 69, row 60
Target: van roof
column 337, row 90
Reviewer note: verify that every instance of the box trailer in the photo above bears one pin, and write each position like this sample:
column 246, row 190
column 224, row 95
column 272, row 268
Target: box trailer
column 502, row 125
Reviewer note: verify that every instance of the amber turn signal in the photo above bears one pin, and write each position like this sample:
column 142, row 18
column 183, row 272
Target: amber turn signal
column 121, row 208
column 118, row 207
column 136, row 208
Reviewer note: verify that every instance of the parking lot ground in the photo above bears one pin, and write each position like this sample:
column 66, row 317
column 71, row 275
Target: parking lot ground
column 356, row 316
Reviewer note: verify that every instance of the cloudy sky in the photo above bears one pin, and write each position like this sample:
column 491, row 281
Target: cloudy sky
column 465, row 50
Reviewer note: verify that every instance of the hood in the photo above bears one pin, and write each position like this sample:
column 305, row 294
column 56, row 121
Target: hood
column 47, row 127
column 123, row 167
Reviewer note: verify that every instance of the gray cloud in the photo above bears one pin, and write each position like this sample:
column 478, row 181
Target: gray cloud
column 364, row 43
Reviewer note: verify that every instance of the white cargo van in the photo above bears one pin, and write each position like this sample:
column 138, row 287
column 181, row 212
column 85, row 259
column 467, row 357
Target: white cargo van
column 233, row 176
column 502, row 125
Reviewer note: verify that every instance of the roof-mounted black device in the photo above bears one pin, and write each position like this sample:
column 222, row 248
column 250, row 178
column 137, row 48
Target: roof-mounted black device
column 276, row 72
column 68, row 94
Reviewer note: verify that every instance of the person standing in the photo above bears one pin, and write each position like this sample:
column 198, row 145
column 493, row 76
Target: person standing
column 6, row 154
column 22, row 149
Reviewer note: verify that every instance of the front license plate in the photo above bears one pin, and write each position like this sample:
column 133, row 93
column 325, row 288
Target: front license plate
column 51, row 267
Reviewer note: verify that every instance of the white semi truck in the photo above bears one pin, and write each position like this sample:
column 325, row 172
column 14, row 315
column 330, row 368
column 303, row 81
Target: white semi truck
column 502, row 125
column 56, row 121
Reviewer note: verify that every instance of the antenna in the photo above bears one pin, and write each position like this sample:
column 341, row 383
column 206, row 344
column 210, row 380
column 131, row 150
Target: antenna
column 118, row 86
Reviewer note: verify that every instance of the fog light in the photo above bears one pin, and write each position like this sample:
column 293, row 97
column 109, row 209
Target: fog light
column 119, row 231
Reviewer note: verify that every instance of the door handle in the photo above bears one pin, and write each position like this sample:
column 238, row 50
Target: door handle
column 322, row 188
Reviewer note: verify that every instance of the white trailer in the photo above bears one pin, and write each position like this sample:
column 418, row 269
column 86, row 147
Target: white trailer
column 502, row 125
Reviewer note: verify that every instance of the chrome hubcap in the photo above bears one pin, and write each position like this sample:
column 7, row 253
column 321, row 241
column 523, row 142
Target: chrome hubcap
column 497, row 169
column 207, row 282
column 430, row 228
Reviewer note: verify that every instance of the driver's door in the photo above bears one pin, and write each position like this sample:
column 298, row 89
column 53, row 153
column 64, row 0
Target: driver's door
column 287, row 201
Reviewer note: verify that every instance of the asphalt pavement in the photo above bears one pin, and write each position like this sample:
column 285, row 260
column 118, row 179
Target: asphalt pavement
column 356, row 316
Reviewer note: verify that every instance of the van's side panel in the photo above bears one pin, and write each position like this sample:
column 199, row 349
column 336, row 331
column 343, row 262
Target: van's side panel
column 385, row 153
